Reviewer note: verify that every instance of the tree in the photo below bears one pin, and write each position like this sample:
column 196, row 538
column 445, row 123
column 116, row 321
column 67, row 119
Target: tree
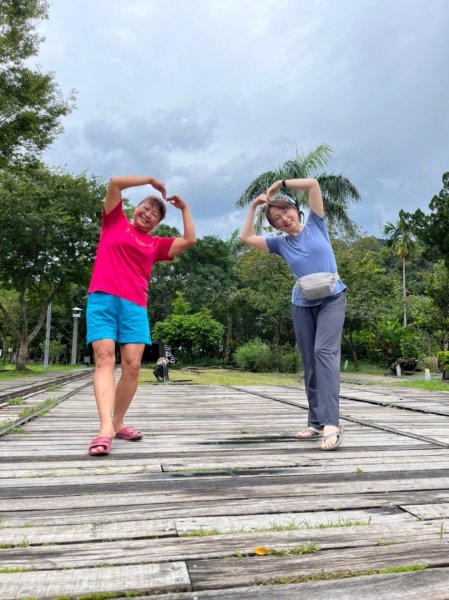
column 265, row 285
column 437, row 286
column 370, row 288
column 400, row 237
column 433, row 229
column 30, row 103
column 49, row 222
column 337, row 190
column 196, row 333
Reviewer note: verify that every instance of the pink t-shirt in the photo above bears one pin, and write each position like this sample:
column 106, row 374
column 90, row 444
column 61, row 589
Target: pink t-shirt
column 125, row 257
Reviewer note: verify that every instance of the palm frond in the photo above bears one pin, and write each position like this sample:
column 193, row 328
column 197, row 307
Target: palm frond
column 258, row 186
column 308, row 165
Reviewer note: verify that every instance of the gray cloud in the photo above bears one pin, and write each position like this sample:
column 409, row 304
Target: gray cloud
column 208, row 94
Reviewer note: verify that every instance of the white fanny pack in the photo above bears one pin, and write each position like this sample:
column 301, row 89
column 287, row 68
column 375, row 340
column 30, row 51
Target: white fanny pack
column 317, row 285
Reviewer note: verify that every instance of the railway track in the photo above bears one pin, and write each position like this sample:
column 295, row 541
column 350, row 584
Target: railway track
column 356, row 399
column 22, row 403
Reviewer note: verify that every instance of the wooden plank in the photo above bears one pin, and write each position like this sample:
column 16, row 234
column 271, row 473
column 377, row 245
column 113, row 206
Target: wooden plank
column 216, row 573
column 62, row 534
column 114, row 580
column 230, row 463
column 221, row 547
column 431, row 584
column 428, row 511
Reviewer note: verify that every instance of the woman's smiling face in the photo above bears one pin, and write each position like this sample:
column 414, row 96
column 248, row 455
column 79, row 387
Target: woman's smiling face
column 147, row 215
column 284, row 217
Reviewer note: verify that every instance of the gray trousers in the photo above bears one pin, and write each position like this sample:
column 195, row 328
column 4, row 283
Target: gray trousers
column 318, row 331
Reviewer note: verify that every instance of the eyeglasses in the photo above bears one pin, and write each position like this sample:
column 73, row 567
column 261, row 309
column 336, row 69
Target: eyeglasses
column 280, row 217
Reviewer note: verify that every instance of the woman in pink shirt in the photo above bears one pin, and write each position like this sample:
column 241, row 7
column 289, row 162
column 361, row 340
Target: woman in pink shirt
column 117, row 298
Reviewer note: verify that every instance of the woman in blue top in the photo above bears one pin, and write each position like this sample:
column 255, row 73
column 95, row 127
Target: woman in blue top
column 318, row 324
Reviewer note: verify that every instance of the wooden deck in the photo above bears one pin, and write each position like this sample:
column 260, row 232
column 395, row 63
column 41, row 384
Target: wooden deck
column 220, row 501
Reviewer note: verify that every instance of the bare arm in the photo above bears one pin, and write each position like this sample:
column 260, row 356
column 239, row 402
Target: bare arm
column 118, row 184
column 181, row 244
column 248, row 237
column 310, row 186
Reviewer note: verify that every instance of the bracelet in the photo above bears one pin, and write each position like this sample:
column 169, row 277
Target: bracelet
column 284, row 185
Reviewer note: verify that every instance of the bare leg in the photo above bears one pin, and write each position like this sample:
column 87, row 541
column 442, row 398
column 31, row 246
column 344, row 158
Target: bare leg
column 104, row 386
column 131, row 358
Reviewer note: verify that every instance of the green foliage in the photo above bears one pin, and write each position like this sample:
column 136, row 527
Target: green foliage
column 337, row 190
column 31, row 104
column 198, row 334
column 258, row 357
column 443, row 359
column 254, row 356
column 49, row 222
column 432, row 229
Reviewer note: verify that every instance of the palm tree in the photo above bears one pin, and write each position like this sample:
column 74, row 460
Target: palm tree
column 337, row 190
column 400, row 237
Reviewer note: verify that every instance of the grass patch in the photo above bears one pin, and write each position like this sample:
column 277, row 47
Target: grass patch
column 421, row 384
column 9, row 371
column 14, row 569
column 339, row 575
column 216, row 376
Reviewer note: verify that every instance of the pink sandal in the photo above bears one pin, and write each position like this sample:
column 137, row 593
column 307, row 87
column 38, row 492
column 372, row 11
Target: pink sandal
column 129, row 433
column 102, row 442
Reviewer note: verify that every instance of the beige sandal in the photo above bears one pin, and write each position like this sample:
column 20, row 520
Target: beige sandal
column 309, row 434
column 338, row 434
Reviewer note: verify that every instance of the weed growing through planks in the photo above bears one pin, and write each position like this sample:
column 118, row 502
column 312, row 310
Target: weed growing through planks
column 23, row 544
column 442, row 530
column 359, row 471
column 41, row 407
column 53, row 387
column 308, row 548
column 14, row 569
column 201, row 532
column 291, row 526
column 16, row 401
column 386, row 543
column 338, row 575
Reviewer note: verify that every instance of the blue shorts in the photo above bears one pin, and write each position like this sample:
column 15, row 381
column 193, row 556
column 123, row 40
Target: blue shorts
column 112, row 318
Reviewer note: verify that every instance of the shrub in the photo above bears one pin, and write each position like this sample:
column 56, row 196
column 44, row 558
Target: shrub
column 258, row 357
column 254, row 356
column 443, row 360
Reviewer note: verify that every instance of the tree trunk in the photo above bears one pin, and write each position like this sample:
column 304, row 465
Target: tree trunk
column 22, row 355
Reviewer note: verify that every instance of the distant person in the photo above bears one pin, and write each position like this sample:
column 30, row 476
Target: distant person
column 117, row 298
column 161, row 369
column 318, row 323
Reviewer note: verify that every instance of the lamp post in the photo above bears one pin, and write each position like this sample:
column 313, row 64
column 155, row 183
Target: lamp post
column 76, row 313
column 47, row 338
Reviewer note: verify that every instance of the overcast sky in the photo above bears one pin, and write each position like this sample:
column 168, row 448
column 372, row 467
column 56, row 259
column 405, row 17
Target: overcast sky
column 208, row 94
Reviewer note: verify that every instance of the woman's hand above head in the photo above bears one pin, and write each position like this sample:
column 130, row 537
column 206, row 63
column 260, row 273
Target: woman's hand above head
column 259, row 201
column 273, row 189
column 159, row 186
column 188, row 239
column 176, row 201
